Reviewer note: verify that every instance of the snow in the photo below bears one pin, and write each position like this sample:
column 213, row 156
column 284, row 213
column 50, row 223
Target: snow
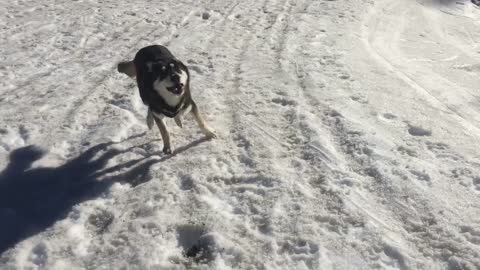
column 348, row 136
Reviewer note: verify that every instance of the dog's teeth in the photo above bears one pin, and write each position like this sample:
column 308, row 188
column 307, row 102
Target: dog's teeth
column 171, row 64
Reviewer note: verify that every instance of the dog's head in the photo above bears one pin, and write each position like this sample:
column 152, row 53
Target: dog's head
column 170, row 74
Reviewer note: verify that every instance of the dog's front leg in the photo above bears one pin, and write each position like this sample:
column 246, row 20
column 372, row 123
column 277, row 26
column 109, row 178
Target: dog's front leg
column 165, row 135
column 201, row 123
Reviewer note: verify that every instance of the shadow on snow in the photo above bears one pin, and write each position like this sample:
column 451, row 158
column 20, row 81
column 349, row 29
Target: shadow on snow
column 33, row 199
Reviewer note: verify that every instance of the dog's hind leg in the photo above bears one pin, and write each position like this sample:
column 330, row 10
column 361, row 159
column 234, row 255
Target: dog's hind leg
column 150, row 119
column 165, row 135
column 201, row 123
column 178, row 120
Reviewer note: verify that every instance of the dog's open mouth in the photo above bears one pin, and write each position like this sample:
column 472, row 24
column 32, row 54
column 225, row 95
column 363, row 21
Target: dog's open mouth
column 176, row 89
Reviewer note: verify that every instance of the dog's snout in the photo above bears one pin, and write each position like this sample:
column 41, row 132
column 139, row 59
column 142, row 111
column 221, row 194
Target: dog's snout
column 175, row 78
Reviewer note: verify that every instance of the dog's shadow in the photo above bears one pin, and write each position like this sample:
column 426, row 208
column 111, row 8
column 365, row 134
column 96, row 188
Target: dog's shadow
column 33, row 199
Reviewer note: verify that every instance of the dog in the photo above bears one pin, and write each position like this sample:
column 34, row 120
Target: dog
column 164, row 85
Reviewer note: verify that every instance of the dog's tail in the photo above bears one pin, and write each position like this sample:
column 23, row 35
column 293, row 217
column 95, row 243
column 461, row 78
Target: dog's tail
column 127, row 68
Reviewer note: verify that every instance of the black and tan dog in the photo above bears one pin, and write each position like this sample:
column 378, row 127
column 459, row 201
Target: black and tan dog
column 164, row 84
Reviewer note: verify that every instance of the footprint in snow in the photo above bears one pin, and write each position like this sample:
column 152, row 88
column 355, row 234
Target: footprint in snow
column 284, row 102
column 407, row 151
column 307, row 250
column 187, row 182
column 24, row 133
column 197, row 69
column 334, row 113
column 359, row 98
column 389, row 116
column 437, row 147
column 100, row 220
column 442, row 150
column 421, row 175
column 476, row 183
column 205, row 15
column 418, row 131
column 39, row 255
column 471, row 233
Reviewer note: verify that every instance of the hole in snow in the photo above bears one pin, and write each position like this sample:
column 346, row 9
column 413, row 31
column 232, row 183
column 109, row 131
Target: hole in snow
column 197, row 243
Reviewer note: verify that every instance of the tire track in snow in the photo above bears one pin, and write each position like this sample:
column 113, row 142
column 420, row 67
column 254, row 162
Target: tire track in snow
column 239, row 95
column 368, row 34
column 327, row 204
column 242, row 90
column 354, row 146
column 266, row 222
column 299, row 75
column 334, row 216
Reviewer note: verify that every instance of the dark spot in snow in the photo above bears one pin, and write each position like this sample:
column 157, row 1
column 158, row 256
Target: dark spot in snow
column 389, row 116
column 419, row 131
column 101, row 220
column 197, row 243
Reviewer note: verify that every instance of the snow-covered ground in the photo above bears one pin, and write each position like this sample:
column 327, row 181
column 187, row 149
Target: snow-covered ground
column 349, row 136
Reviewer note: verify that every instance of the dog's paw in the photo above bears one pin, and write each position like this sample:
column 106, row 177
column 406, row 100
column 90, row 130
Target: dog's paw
column 210, row 134
column 167, row 150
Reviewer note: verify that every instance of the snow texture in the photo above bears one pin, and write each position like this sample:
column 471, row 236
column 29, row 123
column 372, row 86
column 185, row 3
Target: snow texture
column 348, row 136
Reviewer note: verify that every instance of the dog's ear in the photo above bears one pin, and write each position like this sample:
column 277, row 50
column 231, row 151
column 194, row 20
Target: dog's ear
column 178, row 63
column 127, row 68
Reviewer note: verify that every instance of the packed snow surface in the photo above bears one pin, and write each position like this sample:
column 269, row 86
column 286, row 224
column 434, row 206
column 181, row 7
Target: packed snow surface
column 348, row 136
